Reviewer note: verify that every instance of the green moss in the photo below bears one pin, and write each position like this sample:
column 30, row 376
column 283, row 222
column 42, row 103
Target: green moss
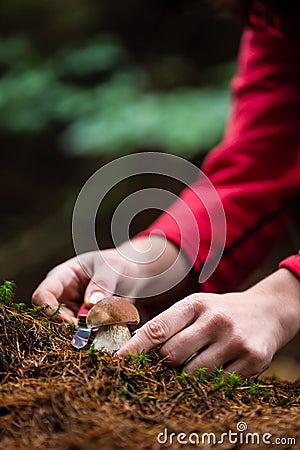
column 7, row 292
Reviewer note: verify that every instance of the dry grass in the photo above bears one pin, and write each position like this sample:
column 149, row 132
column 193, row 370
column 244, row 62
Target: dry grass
column 54, row 397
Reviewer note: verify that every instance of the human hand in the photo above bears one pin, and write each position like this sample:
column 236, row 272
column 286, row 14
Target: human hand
column 69, row 283
column 117, row 271
column 240, row 331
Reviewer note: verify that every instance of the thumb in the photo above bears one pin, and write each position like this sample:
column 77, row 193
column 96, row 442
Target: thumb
column 97, row 290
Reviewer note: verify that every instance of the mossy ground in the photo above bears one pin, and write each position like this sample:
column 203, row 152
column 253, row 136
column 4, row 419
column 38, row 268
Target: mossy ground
column 54, row 397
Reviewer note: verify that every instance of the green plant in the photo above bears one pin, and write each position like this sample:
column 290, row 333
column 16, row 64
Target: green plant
column 202, row 374
column 143, row 358
column 36, row 310
column 218, row 375
column 56, row 312
column 20, row 307
column 254, row 389
column 233, row 380
column 71, row 326
column 46, row 323
column 92, row 353
column 182, row 378
column 7, row 292
column 217, row 379
column 130, row 357
column 267, row 395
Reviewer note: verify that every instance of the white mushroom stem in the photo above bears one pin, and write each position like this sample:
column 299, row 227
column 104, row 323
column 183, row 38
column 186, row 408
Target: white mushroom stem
column 111, row 337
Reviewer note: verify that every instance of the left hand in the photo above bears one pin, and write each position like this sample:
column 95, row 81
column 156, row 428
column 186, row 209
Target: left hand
column 240, row 331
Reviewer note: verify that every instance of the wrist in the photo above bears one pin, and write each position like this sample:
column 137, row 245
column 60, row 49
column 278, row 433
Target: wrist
column 281, row 293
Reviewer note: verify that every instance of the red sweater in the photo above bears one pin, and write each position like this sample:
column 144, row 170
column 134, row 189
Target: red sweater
column 256, row 168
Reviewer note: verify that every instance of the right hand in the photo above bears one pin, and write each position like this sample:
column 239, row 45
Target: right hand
column 113, row 273
column 68, row 283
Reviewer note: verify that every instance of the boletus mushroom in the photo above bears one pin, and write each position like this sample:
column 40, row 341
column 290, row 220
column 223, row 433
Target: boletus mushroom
column 112, row 315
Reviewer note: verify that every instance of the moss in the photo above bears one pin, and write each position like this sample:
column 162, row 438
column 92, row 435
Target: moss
column 53, row 396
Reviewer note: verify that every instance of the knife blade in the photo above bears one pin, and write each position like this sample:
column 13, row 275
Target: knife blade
column 82, row 334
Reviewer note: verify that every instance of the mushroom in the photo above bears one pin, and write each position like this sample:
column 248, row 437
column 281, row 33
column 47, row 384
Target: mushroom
column 111, row 316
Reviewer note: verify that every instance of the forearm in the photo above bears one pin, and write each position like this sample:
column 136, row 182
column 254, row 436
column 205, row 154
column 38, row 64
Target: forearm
column 254, row 178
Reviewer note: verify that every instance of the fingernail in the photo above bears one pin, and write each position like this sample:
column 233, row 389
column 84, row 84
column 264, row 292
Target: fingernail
column 96, row 297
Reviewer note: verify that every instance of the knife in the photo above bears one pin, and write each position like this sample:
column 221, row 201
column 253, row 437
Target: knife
column 82, row 334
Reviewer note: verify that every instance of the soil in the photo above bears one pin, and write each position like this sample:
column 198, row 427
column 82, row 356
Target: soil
column 55, row 397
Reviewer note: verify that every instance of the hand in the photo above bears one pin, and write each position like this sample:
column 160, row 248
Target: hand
column 240, row 331
column 69, row 283
column 116, row 272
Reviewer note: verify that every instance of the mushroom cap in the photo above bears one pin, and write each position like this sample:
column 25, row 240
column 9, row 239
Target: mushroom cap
column 112, row 310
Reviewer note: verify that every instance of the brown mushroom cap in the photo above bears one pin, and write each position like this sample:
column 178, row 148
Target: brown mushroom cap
column 112, row 310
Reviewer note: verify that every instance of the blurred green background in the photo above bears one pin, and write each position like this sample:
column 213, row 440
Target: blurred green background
column 83, row 82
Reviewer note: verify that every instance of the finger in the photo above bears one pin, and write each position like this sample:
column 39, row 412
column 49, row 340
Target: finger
column 240, row 367
column 48, row 293
column 48, row 297
column 104, row 281
column 203, row 359
column 43, row 297
column 48, row 300
column 209, row 330
column 245, row 368
column 185, row 343
column 214, row 356
column 67, row 315
column 161, row 328
column 64, row 284
column 99, row 288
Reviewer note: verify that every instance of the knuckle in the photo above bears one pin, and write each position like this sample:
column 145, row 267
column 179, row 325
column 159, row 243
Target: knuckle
column 156, row 330
column 259, row 356
column 256, row 357
column 169, row 355
column 238, row 341
column 35, row 296
column 55, row 270
column 222, row 322
column 38, row 295
column 194, row 304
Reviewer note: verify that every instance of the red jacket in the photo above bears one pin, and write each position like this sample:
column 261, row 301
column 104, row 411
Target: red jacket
column 256, row 168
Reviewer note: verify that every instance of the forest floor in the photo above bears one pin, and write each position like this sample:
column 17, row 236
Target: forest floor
column 54, row 397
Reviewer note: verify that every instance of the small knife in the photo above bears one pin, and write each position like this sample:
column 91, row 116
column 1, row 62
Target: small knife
column 82, row 334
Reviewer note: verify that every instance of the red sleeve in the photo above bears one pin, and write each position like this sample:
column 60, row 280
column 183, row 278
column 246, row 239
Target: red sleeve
column 256, row 168
column 292, row 263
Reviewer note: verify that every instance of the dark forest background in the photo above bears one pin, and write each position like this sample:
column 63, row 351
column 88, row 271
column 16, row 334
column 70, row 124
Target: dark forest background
column 83, row 82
